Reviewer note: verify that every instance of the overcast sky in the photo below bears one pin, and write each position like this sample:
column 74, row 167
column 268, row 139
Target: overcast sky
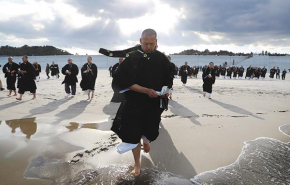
column 83, row 26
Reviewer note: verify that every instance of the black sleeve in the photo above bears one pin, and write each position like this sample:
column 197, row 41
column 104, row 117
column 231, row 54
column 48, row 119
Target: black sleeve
column 63, row 70
column 75, row 70
column 95, row 71
column 124, row 76
column 4, row 68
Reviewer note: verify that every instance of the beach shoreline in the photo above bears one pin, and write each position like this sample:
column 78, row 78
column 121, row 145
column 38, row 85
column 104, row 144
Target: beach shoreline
column 196, row 134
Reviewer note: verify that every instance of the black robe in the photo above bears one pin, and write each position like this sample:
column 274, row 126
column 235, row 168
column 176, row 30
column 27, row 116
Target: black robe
column 229, row 72
column 223, row 71
column 54, row 69
column 263, row 73
column 207, row 82
column 257, row 73
column 272, row 73
column 139, row 114
column 114, row 69
column 37, row 69
column 241, row 72
column 249, row 72
column 26, row 80
column 184, row 74
column 72, row 78
column 235, row 73
column 10, row 78
column 217, row 72
column 284, row 74
column 89, row 78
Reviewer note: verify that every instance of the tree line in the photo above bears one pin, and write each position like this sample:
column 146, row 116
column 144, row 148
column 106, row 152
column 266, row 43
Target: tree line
column 31, row 50
column 224, row 52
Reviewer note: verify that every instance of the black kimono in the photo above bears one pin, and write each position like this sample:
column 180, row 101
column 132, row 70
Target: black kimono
column 139, row 115
column 272, row 73
column 115, row 67
column 241, row 72
column 235, row 73
column 257, row 73
column 89, row 77
column 207, row 82
column 26, row 80
column 229, row 72
column 10, row 77
column 284, row 74
column 184, row 71
column 72, row 78
column 54, row 69
column 217, row 72
column 223, row 71
column 263, row 72
column 249, row 72
column 37, row 69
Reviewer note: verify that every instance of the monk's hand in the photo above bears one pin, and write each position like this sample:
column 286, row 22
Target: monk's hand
column 151, row 93
column 165, row 95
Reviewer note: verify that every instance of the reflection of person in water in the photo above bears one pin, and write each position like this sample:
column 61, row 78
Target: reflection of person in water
column 27, row 126
column 13, row 124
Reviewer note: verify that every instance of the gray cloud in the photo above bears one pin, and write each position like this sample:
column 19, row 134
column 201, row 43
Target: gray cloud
column 238, row 22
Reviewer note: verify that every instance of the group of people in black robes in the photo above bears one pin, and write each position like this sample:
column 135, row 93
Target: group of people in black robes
column 26, row 74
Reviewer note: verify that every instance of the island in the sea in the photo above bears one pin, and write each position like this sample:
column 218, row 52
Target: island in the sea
column 31, row 50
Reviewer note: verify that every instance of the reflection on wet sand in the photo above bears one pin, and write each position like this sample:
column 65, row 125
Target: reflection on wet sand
column 27, row 126
column 74, row 126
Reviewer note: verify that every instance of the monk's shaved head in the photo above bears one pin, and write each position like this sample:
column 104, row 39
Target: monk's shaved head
column 149, row 33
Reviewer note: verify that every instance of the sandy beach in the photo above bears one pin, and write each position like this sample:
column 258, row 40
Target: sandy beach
column 60, row 140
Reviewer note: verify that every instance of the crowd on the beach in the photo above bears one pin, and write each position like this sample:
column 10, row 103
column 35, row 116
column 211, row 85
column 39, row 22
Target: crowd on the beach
column 232, row 72
column 26, row 73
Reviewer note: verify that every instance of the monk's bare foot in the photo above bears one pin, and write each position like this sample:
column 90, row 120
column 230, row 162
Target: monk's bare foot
column 15, row 95
column 203, row 94
column 19, row 99
column 33, row 98
column 9, row 95
column 137, row 170
column 146, row 147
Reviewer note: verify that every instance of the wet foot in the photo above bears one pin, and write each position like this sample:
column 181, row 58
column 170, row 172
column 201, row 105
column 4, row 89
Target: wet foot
column 19, row 99
column 146, row 147
column 137, row 170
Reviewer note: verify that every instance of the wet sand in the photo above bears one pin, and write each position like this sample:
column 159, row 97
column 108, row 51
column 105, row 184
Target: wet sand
column 58, row 138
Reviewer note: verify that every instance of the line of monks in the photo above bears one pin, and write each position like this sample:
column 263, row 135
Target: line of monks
column 25, row 74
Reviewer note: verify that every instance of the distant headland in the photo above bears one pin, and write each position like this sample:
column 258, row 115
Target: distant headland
column 31, row 50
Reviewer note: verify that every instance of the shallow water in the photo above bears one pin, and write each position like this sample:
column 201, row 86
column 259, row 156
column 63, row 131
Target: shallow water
column 120, row 175
column 263, row 161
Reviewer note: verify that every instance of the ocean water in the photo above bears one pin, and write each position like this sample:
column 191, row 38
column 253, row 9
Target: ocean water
column 105, row 62
column 263, row 161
